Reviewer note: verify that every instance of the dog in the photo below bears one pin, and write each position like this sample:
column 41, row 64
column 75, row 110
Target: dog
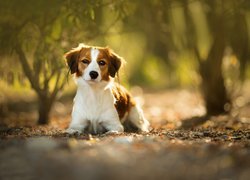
column 101, row 105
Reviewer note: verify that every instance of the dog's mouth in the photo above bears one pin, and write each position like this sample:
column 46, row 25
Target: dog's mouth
column 91, row 81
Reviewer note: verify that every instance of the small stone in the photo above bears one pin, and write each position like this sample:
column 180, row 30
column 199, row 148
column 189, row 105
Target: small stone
column 206, row 133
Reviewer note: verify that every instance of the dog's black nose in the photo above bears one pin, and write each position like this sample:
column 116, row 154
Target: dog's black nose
column 93, row 74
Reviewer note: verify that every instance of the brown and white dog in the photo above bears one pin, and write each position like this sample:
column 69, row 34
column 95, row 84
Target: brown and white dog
column 100, row 104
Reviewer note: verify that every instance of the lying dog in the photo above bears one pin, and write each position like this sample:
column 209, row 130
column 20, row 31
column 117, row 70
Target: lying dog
column 100, row 104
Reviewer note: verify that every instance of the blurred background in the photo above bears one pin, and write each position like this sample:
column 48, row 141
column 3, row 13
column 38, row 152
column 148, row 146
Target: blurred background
column 193, row 51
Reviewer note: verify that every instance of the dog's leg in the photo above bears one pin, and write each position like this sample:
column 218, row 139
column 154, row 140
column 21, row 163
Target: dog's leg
column 75, row 128
column 77, row 125
column 113, row 127
column 136, row 117
column 111, row 122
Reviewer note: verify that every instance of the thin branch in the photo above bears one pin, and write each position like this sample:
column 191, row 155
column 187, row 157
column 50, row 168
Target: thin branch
column 197, row 53
column 56, row 89
column 27, row 69
column 48, row 78
column 63, row 83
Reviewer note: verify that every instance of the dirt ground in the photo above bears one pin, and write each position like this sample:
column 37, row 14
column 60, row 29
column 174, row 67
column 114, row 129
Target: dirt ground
column 181, row 145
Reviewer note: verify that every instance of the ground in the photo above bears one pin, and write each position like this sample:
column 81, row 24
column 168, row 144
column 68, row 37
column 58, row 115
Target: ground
column 181, row 145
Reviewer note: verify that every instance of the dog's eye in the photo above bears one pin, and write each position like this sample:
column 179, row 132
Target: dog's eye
column 85, row 61
column 102, row 63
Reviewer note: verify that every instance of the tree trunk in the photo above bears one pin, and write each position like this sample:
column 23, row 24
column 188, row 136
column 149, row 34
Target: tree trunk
column 214, row 91
column 213, row 88
column 45, row 97
column 45, row 106
column 213, row 85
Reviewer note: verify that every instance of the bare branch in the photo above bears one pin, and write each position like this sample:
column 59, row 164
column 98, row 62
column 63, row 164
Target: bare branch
column 56, row 88
column 197, row 53
column 27, row 69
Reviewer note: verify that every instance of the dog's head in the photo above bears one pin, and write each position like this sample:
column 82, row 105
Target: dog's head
column 93, row 64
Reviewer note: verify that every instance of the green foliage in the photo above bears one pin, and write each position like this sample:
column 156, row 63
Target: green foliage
column 168, row 37
column 38, row 33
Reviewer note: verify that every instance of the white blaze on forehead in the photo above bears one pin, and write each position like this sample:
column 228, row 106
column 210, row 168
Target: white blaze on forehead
column 93, row 66
column 94, row 54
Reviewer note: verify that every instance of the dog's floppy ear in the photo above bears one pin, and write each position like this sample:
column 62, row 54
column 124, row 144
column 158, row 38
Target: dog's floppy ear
column 115, row 63
column 71, row 59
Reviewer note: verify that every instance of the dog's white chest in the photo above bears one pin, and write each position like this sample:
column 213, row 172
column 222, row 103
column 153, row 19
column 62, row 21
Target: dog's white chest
column 94, row 104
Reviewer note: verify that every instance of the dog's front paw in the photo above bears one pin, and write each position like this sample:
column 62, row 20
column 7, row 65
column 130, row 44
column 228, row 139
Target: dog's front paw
column 73, row 131
column 113, row 132
column 145, row 127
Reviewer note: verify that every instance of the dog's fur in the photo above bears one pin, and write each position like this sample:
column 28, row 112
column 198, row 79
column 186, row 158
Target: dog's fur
column 100, row 104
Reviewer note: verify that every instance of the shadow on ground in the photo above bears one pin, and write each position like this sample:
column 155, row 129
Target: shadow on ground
column 178, row 147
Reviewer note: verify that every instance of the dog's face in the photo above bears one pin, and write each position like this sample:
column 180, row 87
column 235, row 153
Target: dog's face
column 93, row 64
